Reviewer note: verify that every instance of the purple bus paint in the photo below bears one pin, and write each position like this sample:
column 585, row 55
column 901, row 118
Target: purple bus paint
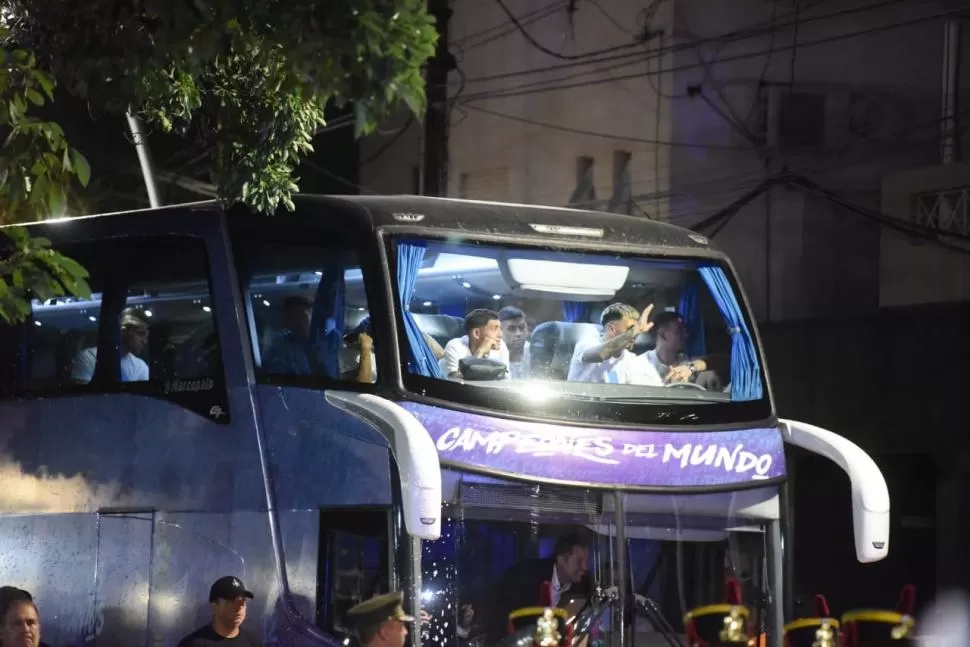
column 617, row 457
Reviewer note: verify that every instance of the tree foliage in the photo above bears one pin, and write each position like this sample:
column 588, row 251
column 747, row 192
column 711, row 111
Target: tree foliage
column 37, row 170
column 247, row 80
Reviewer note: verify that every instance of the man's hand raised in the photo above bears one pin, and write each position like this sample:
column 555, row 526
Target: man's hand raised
column 643, row 323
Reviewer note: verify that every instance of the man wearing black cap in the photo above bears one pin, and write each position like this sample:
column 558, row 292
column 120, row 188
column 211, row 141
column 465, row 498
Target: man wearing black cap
column 380, row 621
column 227, row 597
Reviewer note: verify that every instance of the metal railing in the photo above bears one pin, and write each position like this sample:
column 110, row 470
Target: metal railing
column 947, row 211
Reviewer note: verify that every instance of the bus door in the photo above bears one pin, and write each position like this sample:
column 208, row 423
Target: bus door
column 122, row 589
column 354, row 562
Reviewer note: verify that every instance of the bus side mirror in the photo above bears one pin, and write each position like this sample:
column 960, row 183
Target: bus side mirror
column 870, row 496
column 415, row 454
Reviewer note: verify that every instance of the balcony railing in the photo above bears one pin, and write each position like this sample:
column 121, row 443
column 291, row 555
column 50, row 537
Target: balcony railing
column 947, row 211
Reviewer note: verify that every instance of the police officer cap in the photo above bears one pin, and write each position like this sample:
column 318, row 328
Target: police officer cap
column 725, row 624
column 377, row 610
column 876, row 628
column 537, row 627
column 818, row 630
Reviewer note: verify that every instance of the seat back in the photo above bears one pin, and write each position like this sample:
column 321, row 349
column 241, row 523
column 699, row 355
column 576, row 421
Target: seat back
column 552, row 344
column 441, row 328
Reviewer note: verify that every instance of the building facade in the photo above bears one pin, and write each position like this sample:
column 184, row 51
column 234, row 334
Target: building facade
column 674, row 109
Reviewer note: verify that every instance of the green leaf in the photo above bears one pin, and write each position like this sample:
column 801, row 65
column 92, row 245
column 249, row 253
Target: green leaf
column 56, row 200
column 35, row 97
column 81, row 168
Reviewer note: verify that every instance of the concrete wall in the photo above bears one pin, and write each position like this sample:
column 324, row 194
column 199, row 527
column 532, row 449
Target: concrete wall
column 805, row 257
column 521, row 118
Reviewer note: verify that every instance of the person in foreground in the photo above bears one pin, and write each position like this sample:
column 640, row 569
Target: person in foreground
column 227, row 598
column 380, row 621
column 19, row 619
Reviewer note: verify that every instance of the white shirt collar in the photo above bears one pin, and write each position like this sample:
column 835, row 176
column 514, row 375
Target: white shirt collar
column 556, row 586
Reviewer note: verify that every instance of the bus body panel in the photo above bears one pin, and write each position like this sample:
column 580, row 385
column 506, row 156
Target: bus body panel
column 119, row 509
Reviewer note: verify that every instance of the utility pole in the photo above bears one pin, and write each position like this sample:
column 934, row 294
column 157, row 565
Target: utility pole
column 144, row 158
column 435, row 153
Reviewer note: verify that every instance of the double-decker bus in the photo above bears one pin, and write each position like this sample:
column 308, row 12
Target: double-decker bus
column 300, row 401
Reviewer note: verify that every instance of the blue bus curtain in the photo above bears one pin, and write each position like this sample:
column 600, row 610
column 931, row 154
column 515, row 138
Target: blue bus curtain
column 421, row 359
column 327, row 320
column 745, row 370
column 573, row 311
column 690, row 309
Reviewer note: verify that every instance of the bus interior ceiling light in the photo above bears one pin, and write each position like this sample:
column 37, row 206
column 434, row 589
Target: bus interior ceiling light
column 574, row 279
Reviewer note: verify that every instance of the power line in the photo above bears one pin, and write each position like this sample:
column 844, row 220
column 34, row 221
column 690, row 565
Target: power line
column 507, row 28
column 534, row 88
column 593, row 133
column 386, row 146
column 542, row 85
column 745, row 33
column 566, row 57
column 609, row 18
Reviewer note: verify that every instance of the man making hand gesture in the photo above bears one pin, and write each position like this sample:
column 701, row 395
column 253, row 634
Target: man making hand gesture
column 610, row 359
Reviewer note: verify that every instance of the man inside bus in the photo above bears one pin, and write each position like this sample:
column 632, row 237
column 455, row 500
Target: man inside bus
column 134, row 336
column 610, row 358
column 293, row 353
column 357, row 360
column 482, row 340
column 670, row 360
column 515, row 334
column 524, row 585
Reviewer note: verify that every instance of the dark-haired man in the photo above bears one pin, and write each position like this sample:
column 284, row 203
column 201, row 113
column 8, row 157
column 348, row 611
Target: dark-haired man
column 566, row 572
column 134, row 337
column 483, row 340
column 515, row 334
column 610, row 359
column 669, row 358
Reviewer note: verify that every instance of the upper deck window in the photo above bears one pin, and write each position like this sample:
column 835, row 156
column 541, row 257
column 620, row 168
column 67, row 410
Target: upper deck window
column 308, row 311
column 575, row 331
column 148, row 327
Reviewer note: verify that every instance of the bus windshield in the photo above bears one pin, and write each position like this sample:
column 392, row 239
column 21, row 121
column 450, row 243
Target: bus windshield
column 540, row 324
column 507, row 546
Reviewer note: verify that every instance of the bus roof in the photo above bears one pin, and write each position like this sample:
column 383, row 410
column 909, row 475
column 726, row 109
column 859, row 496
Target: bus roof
column 471, row 216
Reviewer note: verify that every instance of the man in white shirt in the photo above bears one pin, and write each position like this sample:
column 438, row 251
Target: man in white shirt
column 483, row 339
column 610, row 359
column 669, row 359
column 134, row 336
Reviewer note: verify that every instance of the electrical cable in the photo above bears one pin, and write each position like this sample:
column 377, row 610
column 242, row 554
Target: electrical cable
column 511, row 28
column 609, row 18
column 545, row 50
column 531, row 88
column 593, row 133
column 386, row 146
column 507, row 27
column 744, row 33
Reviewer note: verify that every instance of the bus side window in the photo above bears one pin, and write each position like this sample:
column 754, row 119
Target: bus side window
column 174, row 330
column 309, row 312
column 40, row 353
column 166, row 337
